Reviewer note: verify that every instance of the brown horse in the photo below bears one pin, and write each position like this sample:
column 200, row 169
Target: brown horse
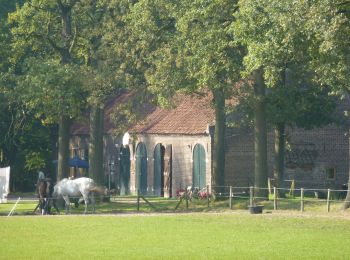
column 44, row 189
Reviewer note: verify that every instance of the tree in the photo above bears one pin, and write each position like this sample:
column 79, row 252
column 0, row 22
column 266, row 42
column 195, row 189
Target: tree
column 305, row 106
column 24, row 141
column 71, row 33
column 112, row 67
column 258, row 27
column 43, row 30
column 292, row 104
column 280, row 39
column 328, row 23
column 186, row 46
column 98, row 83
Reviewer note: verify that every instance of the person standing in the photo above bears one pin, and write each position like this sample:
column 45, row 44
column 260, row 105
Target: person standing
column 41, row 175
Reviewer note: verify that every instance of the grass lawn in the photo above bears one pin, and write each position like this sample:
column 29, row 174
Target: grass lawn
column 228, row 235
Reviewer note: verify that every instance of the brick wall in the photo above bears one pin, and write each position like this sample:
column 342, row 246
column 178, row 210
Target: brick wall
column 310, row 153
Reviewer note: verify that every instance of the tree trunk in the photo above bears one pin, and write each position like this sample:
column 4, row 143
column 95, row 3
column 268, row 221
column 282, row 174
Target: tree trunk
column 346, row 204
column 64, row 121
column 279, row 158
column 96, row 170
column 66, row 33
column 219, row 139
column 260, row 135
column 63, row 147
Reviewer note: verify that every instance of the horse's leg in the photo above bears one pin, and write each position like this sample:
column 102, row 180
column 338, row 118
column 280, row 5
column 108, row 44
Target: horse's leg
column 43, row 206
column 67, row 206
column 54, row 205
column 93, row 202
column 46, row 206
column 86, row 200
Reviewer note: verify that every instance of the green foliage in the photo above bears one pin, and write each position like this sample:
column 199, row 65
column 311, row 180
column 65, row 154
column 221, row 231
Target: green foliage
column 45, row 55
column 285, row 39
column 118, row 53
column 274, row 35
column 51, row 89
column 24, row 142
column 307, row 107
column 314, row 35
column 26, row 148
column 186, row 45
column 328, row 22
column 125, row 115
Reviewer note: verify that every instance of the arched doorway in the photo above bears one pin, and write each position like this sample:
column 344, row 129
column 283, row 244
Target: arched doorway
column 158, row 181
column 199, row 167
column 141, row 168
column 124, row 170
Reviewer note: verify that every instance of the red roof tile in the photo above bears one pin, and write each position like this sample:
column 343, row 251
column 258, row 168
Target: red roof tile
column 190, row 116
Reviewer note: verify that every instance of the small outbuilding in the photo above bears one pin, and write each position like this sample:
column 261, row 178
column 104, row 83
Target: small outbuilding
column 170, row 149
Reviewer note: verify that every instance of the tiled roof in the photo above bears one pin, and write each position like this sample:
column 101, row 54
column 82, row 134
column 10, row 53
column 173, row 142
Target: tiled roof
column 190, row 116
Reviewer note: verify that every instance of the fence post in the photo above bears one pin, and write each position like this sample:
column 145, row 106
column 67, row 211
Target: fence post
column 269, row 185
column 230, row 197
column 138, row 200
column 302, row 199
column 14, row 206
column 251, row 195
column 291, row 191
column 328, row 200
column 208, row 195
column 274, row 198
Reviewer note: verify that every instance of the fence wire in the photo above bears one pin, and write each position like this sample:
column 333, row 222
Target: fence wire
column 213, row 198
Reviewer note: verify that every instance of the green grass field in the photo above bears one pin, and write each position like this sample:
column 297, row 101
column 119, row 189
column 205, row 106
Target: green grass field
column 227, row 235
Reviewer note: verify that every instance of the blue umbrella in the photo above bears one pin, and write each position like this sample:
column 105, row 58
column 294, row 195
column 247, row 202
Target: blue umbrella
column 79, row 163
column 76, row 162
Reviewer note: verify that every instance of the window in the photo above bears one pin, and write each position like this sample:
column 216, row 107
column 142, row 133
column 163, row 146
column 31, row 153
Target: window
column 330, row 173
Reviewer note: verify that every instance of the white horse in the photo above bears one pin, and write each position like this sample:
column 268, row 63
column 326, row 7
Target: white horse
column 83, row 186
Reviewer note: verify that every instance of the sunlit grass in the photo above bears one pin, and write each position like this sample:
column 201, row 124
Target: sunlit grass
column 176, row 236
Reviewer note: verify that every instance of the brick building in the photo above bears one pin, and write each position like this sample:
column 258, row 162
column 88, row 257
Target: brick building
column 172, row 148
column 317, row 158
column 169, row 150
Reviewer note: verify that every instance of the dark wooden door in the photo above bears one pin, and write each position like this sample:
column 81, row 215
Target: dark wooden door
column 141, row 168
column 199, row 166
column 168, row 175
column 124, row 170
column 158, row 170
